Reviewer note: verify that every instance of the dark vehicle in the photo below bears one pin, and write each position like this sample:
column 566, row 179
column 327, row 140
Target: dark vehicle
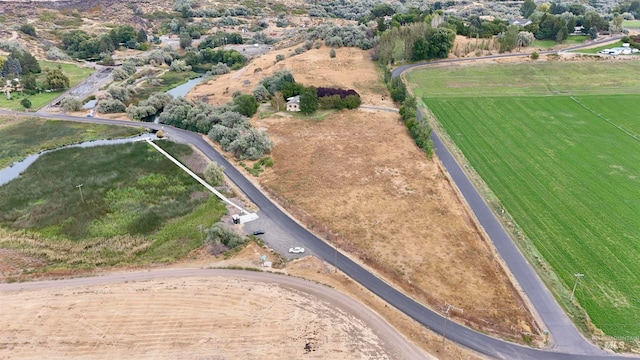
column 258, row 232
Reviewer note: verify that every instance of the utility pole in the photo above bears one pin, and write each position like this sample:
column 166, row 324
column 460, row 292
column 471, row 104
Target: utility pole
column 80, row 188
column 200, row 227
column 578, row 276
column 446, row 319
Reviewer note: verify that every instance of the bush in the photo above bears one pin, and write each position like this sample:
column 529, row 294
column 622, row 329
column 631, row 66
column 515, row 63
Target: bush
column 332, row 53
column 275, row 82
column 121, row 93
column 220, row 234
column 56, row 54
column 26, row 103
column 261, row 93
column 279, row 57
column 219, row 69
column 109, row 106
column 535, row 55
column 179, row 66
column 246, row 105
column 214, row 174
column 28, row 29
column 71, row 103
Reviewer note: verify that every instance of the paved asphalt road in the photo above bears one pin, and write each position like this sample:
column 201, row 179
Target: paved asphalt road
column 574, row 348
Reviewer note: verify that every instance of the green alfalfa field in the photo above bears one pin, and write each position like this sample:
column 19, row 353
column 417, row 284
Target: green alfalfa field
column 558, row 144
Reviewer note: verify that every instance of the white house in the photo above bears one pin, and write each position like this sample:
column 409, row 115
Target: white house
column 520, row 21
column 293, row 103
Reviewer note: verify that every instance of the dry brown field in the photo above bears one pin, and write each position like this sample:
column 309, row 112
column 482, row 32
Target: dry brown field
column 356, row 178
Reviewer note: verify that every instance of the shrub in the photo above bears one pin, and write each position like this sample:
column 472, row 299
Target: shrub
column 179, row 66
column 535, row 55
column 332, row 53
column 28, row 29
column 26, row 103
column 119, row 74
column 275, row 82
column 300, row 50
column 219, row 69
column 56, row 54
column 279, row 57
column 214, row 174
column 246, row 105
column 71, row 103
column 109, row 106
column 261, row 93
column 121, row 93
column 220, row 234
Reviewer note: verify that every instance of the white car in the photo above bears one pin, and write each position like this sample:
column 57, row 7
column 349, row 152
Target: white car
column 296, row 250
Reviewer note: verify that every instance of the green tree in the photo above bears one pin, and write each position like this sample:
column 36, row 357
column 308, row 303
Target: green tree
column 29, row 82
column 142, row 36
column 382, row 26
column 246, row 105
column 214, row 174
column 11, row 68
column 122, row 34
column 440, row 43
column 26, row 103
column 55, row 79
column 308, row 100
column 527, row 8
column 185, row 40
column 508, row 40
column 420, row 48
column 28, row 63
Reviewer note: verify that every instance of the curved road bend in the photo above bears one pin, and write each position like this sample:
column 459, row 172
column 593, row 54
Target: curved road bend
column 479, row 342
column 397, row 346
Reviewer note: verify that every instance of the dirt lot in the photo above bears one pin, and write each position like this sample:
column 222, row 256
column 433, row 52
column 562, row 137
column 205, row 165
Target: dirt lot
column 207, row 318
column 357, row 179
column 112, row 320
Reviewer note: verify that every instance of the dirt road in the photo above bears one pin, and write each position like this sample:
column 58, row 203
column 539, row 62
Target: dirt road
column 193, row 313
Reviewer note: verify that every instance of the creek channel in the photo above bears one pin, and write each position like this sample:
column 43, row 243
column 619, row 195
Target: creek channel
column 180, row 90
column 13, row 171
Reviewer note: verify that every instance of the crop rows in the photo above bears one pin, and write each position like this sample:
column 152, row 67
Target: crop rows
column 566, row 168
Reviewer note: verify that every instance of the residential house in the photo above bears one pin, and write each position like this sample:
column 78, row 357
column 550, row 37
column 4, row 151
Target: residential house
column 293, row 103
column 520, row 21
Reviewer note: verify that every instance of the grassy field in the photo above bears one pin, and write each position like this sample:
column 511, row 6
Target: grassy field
column 548, row 43
column 74, row 72
column 138, row 207
column 634, row 24
column 49, row 134
column 534, row 78
column 566, row 167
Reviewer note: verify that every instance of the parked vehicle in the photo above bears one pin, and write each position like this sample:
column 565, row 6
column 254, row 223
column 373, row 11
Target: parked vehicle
column 296, row 250
column 258, row 232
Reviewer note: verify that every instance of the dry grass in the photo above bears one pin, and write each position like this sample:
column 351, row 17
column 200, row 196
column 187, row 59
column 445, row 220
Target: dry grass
column 357, row 179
